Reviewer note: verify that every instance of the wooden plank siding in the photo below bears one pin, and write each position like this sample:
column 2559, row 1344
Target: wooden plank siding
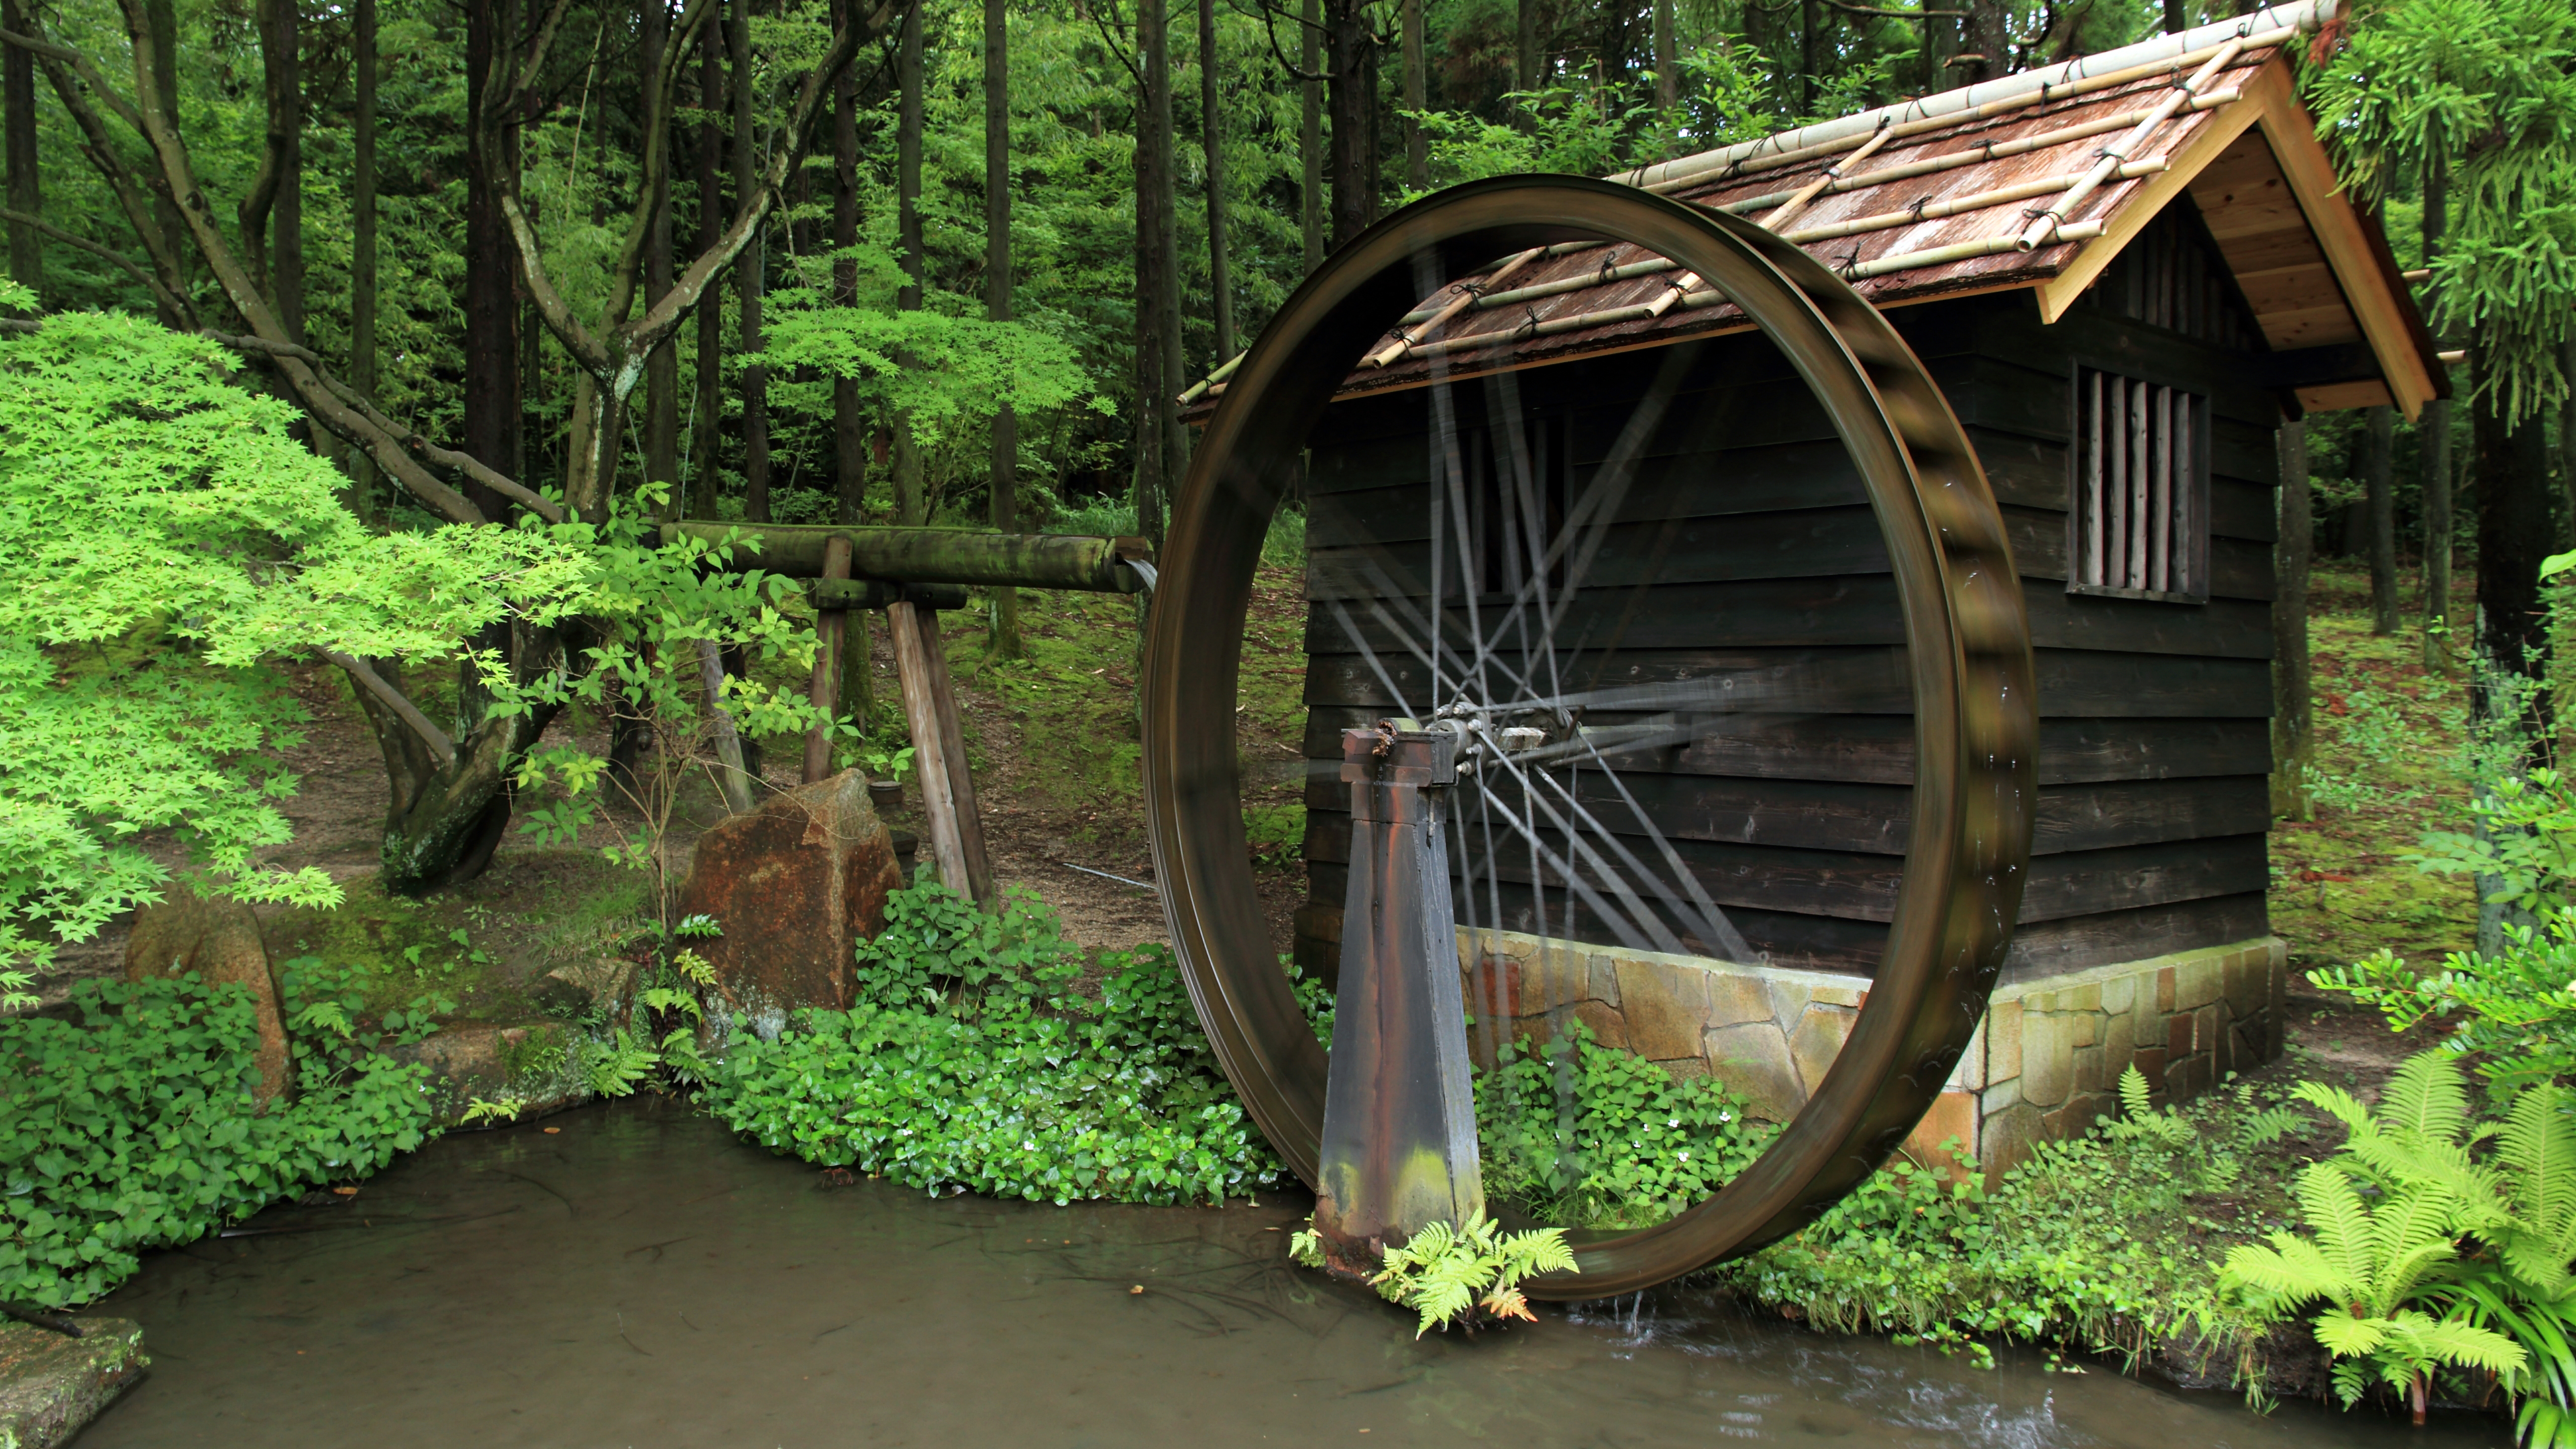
column 1770, row 589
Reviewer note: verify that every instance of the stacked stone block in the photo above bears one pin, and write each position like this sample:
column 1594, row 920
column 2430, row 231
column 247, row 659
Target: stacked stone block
column 2045, row 1061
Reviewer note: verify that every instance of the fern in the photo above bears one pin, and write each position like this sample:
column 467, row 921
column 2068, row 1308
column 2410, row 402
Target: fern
column 694, row 967
column 323, row 1016
column 613, row 1068
column 2538, row 1147
column 666, row 998
column 1446, row 1270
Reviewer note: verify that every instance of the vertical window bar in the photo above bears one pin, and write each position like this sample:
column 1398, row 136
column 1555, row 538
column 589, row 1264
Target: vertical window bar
column 2089, row 500
column 2137, row 536
column 2115, row 484
column 2160, row 490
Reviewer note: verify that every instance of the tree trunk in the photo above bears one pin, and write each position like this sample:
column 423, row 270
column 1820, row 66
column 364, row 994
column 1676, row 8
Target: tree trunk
column 662, row 366
column 447, row 817
column 1155, row 384
column 491, row 341
column 849, row 420
column 910, row 508
column 280, row 52
column 18, row 115
column 1310, row 135
column 1988, row 40
column 1525, row 58
column 1347, row 47
column 2433, row 433
column 1417, row 148
column 749, row 279
column 2379, row 457
column 1668, row 61
column 2177, row 17
column 706, row 417
column 1212, row 146
column 2514, row 534
column 2293, row 704
column 362, row 236
column 1004, row 478
column 163, row 18
column 1807, row 38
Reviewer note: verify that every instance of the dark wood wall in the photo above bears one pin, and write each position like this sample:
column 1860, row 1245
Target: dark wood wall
column 1766, row 566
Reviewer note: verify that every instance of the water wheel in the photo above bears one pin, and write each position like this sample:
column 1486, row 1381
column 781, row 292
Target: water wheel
column 1508, row 618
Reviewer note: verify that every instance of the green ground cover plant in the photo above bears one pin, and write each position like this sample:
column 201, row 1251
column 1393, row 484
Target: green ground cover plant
column 131, row 1126
column 975, row 1060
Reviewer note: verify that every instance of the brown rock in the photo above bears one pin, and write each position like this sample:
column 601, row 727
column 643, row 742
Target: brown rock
column 219, row 940
column 795, row 884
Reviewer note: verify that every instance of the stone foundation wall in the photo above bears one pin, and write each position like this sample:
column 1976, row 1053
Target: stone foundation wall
column 2044, row 1062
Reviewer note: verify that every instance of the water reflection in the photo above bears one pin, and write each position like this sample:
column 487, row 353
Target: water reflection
column 636, row 1279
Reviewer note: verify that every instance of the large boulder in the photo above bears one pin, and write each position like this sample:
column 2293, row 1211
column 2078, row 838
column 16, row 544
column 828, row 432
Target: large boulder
column 219, row 940
column 795, row 884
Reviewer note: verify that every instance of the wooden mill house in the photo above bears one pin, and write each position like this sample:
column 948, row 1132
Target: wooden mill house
column 2123, row 380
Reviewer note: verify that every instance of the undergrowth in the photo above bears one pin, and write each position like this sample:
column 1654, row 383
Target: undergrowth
column 133, row 1127
column 972, row 1060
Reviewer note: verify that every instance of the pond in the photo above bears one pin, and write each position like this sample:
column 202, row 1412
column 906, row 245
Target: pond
column 635, row 1278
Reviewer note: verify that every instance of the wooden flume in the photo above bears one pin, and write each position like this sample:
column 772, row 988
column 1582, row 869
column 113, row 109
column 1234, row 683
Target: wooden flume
column 912, row 574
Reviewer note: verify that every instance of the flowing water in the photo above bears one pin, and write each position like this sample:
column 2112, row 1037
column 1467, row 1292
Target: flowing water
column 635, row 1278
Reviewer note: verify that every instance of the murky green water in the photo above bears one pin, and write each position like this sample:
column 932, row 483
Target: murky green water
column 637, row 1279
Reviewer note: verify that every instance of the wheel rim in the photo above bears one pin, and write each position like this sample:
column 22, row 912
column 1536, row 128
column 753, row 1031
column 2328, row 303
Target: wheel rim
column 1967, row 649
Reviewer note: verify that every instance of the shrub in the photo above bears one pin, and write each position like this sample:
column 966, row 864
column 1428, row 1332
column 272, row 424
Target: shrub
column 133, row 1128
column 1579, row 1134
column 2403, row 1298
column 2514, row 1007
column 971, row 1061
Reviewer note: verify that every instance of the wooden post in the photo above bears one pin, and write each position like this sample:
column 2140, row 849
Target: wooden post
column 939, row 753
column 961, row 782
column 825, row 691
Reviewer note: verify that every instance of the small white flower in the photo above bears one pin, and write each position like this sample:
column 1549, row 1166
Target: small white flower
column 1685, row 1157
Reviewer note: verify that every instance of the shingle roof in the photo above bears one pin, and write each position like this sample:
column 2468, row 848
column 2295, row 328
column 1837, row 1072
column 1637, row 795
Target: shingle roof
column 2033, row 181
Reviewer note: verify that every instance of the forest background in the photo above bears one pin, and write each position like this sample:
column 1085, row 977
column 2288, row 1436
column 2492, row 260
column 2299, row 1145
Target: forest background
column 511, row 261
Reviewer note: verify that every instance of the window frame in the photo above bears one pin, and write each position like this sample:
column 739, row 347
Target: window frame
column 2083, row 501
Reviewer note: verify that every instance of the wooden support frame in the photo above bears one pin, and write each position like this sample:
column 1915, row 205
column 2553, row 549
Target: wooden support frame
column 831, row 626
column 948, row 804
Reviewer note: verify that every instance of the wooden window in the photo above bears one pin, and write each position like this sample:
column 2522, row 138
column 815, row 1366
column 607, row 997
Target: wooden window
column 2141, row 463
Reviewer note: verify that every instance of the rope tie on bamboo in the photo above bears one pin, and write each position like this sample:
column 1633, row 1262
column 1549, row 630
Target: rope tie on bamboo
column 1529, row 323
column 1920, row 203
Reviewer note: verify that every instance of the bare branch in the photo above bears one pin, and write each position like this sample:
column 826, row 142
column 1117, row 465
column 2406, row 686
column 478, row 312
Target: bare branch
column 752, row 210
column 178, row 306
column 535, row 502
column 404, row 710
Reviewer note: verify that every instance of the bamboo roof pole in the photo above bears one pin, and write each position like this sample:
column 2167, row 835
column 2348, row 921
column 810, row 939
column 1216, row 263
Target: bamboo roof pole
column 1468, row 292
column 2048, row 221
column 1974, row 155
column 1958, row 206
column 1789, row 209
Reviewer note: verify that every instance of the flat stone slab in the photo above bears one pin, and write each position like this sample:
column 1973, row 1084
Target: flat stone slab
column 51, row 1385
